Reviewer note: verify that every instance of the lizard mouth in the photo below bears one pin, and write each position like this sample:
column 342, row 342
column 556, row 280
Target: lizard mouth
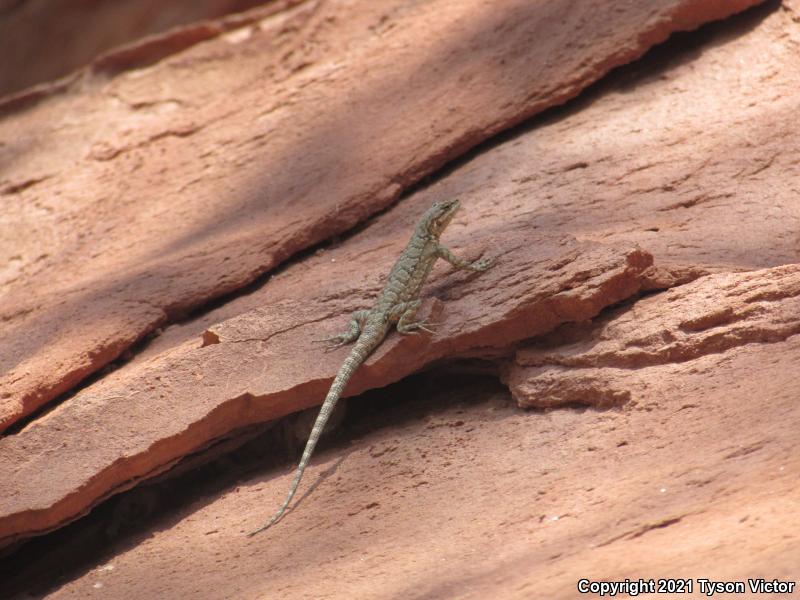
column 448, row 211
column 439, row 215
column 450, row 207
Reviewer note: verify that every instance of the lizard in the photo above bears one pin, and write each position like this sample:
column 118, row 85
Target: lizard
column 397, row 304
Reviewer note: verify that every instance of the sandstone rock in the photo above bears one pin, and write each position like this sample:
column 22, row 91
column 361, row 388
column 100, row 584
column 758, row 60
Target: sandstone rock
column 133, row 200
column 607, row 362
column 140, row 420
column 41, row 35
column 692, row 473
column 597, row 169
column 700, row 482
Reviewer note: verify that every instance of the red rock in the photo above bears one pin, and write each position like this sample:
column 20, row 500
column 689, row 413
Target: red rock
column 457, row 493
column 133, row 200
column 608, row 362
column 139, row 421
column 692, row 472
column 25, row 25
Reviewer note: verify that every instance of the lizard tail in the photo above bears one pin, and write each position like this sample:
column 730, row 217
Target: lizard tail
column 357, row 355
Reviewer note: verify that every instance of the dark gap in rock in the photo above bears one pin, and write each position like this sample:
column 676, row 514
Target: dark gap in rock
column 40, row 565
column 127, row 355
column 680, row 48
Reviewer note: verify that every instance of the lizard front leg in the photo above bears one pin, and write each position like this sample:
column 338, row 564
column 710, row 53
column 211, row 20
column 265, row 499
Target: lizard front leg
column 458, row 263
column 351, row 335
column 405, row 313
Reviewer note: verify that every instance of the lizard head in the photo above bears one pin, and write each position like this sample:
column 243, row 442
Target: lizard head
column 438, row 216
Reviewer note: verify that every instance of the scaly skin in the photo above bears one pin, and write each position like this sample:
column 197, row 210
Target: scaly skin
column 396, row 305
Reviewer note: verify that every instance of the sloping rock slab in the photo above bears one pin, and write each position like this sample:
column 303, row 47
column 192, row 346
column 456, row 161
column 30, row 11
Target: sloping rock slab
column 700, row 481
column 262, row 365
column 131, row 200
column 102, row 26
column 607, row 362
column 653, row 156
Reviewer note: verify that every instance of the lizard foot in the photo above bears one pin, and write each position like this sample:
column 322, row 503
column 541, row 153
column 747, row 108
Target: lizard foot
column 483, row 264
column 414, row 328
column 333, row 342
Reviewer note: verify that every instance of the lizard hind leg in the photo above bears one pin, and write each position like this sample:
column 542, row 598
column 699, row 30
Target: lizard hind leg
column 349, row 336
column 406, row 324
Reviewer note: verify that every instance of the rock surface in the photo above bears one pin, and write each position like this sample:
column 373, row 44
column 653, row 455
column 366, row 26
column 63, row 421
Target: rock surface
column 608, row 362
column 132, row 200
column 460, row 494
column 685, row 464
column 141, row 420
column 40, row 34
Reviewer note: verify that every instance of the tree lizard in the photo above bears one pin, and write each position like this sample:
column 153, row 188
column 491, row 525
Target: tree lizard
column 397, row 304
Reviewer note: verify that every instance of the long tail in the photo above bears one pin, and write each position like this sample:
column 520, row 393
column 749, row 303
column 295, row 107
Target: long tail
column 360, row 351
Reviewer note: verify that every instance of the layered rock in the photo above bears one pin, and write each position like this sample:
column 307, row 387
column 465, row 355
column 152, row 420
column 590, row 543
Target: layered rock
column 609, row 361
column 134, row 199
column 686, row 463
column 142, row 419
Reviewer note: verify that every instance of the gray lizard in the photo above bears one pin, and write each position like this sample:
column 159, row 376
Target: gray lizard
column 397, row 305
